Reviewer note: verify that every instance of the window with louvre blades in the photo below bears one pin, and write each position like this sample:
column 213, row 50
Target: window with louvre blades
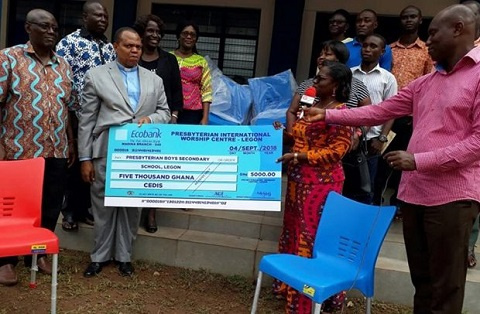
column 229, row 36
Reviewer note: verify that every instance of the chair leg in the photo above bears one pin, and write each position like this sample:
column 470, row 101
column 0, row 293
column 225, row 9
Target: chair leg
column 316, row 307
column 369, row 305
column 257, row 293
column 33, row 272
column 54, row 284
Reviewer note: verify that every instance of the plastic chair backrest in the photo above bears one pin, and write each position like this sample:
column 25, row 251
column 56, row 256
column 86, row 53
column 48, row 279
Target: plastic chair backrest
column 21, row 185
column 352, row 232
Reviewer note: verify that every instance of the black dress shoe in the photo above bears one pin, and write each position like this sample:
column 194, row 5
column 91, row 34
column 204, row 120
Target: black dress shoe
column 125, row 268
column 93, row 269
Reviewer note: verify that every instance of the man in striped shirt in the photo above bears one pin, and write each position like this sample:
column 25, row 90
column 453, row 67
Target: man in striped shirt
column 439, row 186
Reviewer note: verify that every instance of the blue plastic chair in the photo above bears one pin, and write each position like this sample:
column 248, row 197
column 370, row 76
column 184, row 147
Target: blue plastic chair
column 345, row 251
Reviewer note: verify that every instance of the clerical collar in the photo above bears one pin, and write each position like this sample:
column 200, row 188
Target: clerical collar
column 121, row 67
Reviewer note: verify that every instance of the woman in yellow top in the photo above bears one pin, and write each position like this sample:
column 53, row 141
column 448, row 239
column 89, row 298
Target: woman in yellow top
column 195, row 76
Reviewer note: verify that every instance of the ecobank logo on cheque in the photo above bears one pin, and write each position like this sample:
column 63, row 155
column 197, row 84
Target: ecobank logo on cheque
column 150, row 133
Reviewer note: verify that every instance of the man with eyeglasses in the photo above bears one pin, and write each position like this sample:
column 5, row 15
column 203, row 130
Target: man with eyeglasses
column 36, row 86
column 84, row 49
column 365, row 25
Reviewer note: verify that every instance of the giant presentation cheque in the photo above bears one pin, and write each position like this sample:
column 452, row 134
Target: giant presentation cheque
column 191, row 166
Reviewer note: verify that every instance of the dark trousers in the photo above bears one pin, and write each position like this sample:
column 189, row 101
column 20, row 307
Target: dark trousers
column 436, row 240
column 77, row 195
column 403, row 130
column 53, row 190
column 372, row 161
column 77, row 192
column 351, row 187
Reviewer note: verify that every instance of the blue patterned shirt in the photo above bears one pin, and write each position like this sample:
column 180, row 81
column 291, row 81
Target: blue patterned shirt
column 83, row 52
column 34, row 101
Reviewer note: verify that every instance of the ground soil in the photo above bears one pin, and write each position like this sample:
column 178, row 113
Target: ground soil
column 154, row 289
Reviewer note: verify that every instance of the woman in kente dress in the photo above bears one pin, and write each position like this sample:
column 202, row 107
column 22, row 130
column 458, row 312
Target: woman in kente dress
column 314, row 169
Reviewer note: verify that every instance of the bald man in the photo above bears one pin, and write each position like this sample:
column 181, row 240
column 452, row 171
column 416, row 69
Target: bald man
column 34, row 119
column 439, row 185
column 84, row 49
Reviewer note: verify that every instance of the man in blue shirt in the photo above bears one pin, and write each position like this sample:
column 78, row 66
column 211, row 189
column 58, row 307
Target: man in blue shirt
column 365, row 26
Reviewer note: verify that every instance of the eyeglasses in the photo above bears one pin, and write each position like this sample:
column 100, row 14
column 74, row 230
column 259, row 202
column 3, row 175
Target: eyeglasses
column 44, row 27
column 185, row 34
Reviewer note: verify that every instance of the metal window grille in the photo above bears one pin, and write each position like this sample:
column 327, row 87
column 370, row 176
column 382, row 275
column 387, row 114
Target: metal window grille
column 229, row 36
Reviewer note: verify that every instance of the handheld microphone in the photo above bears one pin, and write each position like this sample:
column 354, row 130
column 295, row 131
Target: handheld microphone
column 308, row 98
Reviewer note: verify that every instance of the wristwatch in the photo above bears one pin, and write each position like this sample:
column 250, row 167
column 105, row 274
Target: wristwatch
column 382, row 138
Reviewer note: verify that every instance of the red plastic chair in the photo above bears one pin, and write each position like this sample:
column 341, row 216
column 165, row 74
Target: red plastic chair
column 21, row 184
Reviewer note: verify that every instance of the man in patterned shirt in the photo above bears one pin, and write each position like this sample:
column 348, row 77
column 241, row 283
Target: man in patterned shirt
column 84, row 49
column 410, row 61
column 35, row 92
column 410, row 55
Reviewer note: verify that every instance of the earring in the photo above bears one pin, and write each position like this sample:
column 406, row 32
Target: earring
column 334, row 92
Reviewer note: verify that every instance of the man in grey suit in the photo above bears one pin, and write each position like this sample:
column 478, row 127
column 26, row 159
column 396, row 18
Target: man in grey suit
column 116, row 93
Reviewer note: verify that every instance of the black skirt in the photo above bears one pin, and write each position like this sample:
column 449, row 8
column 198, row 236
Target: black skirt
column 190, row 116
